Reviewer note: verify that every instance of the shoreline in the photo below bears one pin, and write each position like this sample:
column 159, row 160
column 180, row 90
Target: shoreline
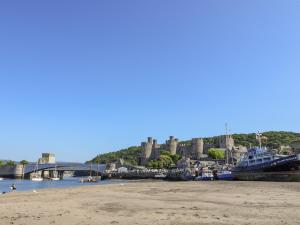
column 159, row 203
column 121, row 182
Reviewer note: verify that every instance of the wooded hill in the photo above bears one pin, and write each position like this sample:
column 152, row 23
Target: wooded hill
column 273, row 140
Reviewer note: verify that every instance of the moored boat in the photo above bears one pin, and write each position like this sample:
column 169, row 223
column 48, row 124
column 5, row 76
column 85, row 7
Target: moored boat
column 265, row 165
column 160, row 176
column 205, row 174
column 55, row 175
column 37, row 178
column 90, row 179
column 224, row 175
column 36, row 175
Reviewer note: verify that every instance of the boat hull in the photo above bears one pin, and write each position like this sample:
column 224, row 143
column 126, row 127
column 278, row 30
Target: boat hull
column 204, row 178
column 225, row 177
column 37, row 179
column 268, row 176
column 286, row 169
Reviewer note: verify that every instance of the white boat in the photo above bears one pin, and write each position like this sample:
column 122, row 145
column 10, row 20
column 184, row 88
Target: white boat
column 55, row 177
column 1, row 178
column 205, row 174
column 160, row 176
column 36, row 176
column 90, row 179
column 37, row 179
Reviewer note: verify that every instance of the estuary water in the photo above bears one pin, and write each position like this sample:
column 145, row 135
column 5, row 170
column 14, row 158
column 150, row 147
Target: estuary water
column 28, row 185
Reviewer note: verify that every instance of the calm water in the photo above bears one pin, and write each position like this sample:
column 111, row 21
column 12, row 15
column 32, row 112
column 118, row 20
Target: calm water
column 27, row 185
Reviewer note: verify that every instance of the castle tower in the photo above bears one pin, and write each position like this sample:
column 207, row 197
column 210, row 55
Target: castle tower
column 172, row 144
column 155, row 150
column 147, row 151
column 197, row 147
column 226, row 141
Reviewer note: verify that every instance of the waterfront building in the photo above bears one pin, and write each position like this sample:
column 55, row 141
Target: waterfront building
column 296, row 147
column 47, row 158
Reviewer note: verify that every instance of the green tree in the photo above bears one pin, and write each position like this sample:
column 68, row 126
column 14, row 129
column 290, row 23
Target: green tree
column 216, row 153
column 10, row 163
column 24, row 162
column 130, row 155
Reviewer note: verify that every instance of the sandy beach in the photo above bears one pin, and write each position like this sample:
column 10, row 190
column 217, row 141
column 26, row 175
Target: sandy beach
column 156, row 203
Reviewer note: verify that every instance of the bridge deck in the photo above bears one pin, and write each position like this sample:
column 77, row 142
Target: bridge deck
column 31, row 167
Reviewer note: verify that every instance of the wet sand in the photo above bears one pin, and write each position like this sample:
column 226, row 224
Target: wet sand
column 156, row 203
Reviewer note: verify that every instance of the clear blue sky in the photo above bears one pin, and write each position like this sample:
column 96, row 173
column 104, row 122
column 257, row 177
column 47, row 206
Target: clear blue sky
column 78, row 78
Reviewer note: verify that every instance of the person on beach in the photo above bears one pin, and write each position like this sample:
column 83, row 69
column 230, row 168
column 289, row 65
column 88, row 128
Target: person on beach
column 13, row 187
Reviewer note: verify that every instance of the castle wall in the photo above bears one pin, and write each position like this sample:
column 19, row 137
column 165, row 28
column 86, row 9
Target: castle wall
column 194, row 150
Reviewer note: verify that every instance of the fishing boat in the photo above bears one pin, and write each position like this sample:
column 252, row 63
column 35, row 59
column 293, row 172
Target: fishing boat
column 262, row 164
column 204, row 175
column 36, row 176
column 224, row 175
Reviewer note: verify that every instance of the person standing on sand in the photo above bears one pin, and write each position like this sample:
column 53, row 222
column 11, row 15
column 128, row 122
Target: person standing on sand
column 13, row 187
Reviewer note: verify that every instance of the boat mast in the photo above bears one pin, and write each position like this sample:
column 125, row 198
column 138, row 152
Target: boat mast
column 258, row 137
column 97, row 169
column 226, row 138
column 91, row 169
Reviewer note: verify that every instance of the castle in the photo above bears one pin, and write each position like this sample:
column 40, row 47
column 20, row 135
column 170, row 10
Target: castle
column 195, row 149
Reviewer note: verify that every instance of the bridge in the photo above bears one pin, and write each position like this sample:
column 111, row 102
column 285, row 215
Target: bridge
column 25, row 171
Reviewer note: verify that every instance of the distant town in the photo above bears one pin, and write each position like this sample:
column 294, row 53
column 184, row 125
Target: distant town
column 175, row 159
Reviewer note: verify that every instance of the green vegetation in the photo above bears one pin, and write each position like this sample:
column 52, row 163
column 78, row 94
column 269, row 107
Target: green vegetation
column 165, row 160
column 24, row 162
column 216, row 153
column 130, row 155
column 10, row 163
column 271, row 139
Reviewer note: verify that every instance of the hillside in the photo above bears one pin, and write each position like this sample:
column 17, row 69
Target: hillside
column 273, row 140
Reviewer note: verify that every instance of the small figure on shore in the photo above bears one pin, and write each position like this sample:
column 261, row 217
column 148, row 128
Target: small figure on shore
column 13, row 187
